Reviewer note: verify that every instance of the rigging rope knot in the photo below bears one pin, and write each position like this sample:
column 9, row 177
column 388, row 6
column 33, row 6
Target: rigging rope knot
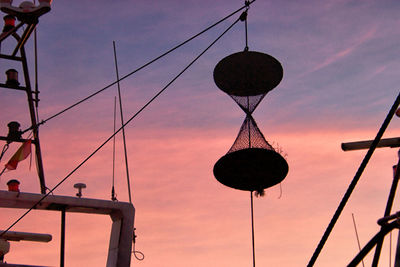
column 243, row 16
column 34, row 127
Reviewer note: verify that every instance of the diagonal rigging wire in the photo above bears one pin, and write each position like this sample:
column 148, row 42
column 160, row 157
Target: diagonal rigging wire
column 116, row 132
column 145, row 65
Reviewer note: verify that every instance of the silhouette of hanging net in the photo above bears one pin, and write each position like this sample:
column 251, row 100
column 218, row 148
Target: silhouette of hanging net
column 248, row 103
column 250, row 136
column 251, row 164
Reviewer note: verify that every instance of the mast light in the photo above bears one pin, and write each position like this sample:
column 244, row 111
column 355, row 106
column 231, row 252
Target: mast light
column 12, row 77
column 9, row 22
column 13, row 185
column 14, row 134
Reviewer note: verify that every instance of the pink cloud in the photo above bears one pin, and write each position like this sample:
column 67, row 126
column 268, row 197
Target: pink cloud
column 182, row 210
column 338, row 55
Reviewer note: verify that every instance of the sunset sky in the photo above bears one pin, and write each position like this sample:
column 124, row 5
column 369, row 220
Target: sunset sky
column 341, row 62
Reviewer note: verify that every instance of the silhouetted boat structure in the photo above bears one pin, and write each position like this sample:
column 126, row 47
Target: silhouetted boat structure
column 251, row 164
column 121, row 213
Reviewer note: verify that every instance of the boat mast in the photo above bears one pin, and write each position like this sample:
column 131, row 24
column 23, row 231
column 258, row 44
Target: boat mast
column 28, row 14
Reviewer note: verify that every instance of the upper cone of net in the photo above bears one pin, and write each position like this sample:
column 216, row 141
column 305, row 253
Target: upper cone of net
column 248, row 73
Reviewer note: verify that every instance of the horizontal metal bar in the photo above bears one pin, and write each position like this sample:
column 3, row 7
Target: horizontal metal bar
column 10, row 57
column 385, row 219
column 12, row 87
column 4, row 138
column 22, row 200
column 4, row 35
column 384, row 142
column 18, row 236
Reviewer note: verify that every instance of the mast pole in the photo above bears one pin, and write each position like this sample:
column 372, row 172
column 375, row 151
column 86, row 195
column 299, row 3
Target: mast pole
column 27, row 88
column 33, row 116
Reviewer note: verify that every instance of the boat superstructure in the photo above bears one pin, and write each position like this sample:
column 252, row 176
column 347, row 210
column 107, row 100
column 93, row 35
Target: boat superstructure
column 121, row 213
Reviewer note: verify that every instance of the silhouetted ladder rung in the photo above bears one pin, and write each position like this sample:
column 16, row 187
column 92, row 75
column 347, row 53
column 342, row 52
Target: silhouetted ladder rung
column 13, row 87
column 11, row 57
column 3, row 138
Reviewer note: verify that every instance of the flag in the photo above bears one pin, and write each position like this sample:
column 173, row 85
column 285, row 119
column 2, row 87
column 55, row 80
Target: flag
column 21, row 154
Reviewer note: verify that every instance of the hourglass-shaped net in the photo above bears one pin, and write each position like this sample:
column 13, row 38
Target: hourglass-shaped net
column 250, row 136
column 248, row 103
column 251, row 163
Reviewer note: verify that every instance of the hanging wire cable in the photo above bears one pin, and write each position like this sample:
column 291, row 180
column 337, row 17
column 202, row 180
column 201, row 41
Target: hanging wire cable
column 122, row 123
column 280, row 191
column 143, row 66
column 353, row 183
column 126, row 123
column 243, row 17
column 138, row 254
column 5, row 148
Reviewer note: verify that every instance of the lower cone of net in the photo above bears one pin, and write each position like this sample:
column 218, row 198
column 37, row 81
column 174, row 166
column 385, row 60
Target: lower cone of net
column 251, row 169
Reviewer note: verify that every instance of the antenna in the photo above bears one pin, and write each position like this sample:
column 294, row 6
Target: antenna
column 358, row 239
column 79, row 186
column 113, row 197
column 122, row 123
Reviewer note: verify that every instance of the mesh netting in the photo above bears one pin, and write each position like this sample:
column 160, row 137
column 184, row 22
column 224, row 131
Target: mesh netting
column 250, row 136
column 248, row 103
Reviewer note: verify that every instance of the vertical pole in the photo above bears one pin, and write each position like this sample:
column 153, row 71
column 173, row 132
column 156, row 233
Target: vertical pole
column 35, row 129
column 390, row 249
column 62, row 252
column 388, row 209
column 113, row 198
column 122, row 123
column 252, row 229
column 397, row 258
